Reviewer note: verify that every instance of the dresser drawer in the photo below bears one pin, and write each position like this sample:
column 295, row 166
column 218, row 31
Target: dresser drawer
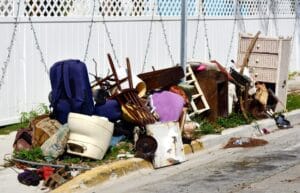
column 263, row 74
column 261, row 45
column 260, row 60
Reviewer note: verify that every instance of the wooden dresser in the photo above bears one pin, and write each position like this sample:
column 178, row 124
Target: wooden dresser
column 268, row 63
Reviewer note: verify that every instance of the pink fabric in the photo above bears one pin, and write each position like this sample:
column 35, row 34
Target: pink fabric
column 167, row 105
column 201, row 67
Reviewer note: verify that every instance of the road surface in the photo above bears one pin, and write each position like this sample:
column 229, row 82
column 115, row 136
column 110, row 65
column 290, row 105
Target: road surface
column 273, row 168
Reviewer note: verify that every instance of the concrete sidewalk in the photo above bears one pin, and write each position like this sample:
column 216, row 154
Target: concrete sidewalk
column 123, row 167
column 294, row 84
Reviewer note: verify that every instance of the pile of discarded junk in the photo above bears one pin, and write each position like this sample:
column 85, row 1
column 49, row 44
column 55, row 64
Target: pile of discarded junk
column 151, row 109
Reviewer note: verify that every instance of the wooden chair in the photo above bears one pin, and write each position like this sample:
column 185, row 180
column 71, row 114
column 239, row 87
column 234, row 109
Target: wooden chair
column 133, row 107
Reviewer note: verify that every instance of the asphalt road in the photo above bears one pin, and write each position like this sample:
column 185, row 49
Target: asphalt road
column 273, row 168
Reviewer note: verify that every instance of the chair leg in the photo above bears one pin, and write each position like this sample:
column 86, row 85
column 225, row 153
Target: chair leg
column 129, row 73
column 112, row 66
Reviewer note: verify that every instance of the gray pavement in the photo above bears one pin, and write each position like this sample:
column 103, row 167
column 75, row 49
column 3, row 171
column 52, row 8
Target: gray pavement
column 271, row 168
column 294, row 84
column 287, row 181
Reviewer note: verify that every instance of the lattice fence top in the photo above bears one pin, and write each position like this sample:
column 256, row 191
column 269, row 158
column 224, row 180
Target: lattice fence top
column 48, row 7
column 6, row 7
column 117, row 8
column 218, row 7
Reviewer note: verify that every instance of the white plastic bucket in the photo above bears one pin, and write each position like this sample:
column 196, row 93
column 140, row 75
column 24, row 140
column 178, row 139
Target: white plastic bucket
column 90, row 136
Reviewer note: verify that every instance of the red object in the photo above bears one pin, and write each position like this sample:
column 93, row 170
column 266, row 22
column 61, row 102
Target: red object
column 45, row 172
column 265, row 131
column 223, row 70
column 201, row 67
column 179, row 91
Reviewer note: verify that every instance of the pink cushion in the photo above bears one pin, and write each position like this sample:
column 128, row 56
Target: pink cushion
column 167, row 105
column 201, row 67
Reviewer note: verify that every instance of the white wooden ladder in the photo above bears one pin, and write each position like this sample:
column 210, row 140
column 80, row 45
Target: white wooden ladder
column 192, row 80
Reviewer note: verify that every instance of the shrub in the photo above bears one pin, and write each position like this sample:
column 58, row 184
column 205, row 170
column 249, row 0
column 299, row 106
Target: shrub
column 233, row 120
column 293, row 101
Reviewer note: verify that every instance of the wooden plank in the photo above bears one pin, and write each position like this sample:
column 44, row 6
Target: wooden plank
column 162, row 78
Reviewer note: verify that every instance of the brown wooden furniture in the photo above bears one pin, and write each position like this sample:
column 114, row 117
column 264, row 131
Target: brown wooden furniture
column 162, row 78
column 214, row 85
column 268, row 63
column 133, row 107
column 111, row 80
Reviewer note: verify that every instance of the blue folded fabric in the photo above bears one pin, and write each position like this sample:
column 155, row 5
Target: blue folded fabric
column 111, row 109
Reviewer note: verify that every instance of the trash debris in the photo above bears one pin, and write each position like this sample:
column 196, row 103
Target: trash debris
column 256, row 126
column 58, row 178
column 198, row 101
column 167, row 105
column 262, row 93
column 23, row 139
column 133, row 108
column 282, row 122
column 29, row 178
column 123, row 128
column 65, row 96
column 125, row 155
column 214, row 85
column 43, row 128
column 37, row 164
column 146, row 147
column 111, row 109
column 90, row 136
column 189, row 130
column 266, row 131
column 169, row 143
column 245, row 142
column 124, row 116
column 45, row 172
column 177, row 90
column 55, row 145
column 162, row 78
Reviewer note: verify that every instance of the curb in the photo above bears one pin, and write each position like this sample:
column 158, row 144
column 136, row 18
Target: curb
column 120, row 168
column 210, row 141
column 102, row 173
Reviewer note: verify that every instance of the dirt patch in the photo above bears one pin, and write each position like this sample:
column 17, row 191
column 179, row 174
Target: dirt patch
column 245, row 142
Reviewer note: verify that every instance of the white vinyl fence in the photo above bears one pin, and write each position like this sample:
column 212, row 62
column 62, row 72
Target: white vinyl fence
column 88, row 29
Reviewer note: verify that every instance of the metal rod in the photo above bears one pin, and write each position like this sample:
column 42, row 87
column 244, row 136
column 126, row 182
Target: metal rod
column 51, row 165
column 297, row 48
column 183, row 37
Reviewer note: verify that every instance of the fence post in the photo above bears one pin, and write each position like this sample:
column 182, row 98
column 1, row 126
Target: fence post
column 297, row 47
column 183, row 37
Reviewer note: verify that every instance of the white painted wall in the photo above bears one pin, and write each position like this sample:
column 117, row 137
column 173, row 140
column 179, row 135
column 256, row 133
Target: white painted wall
column 26, row 83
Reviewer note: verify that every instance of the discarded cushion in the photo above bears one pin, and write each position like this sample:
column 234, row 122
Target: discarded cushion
column 168, row 105
column 29, row 178
column 56, row 144
column 110, row 109
column 23, row 139
column 43, row 128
